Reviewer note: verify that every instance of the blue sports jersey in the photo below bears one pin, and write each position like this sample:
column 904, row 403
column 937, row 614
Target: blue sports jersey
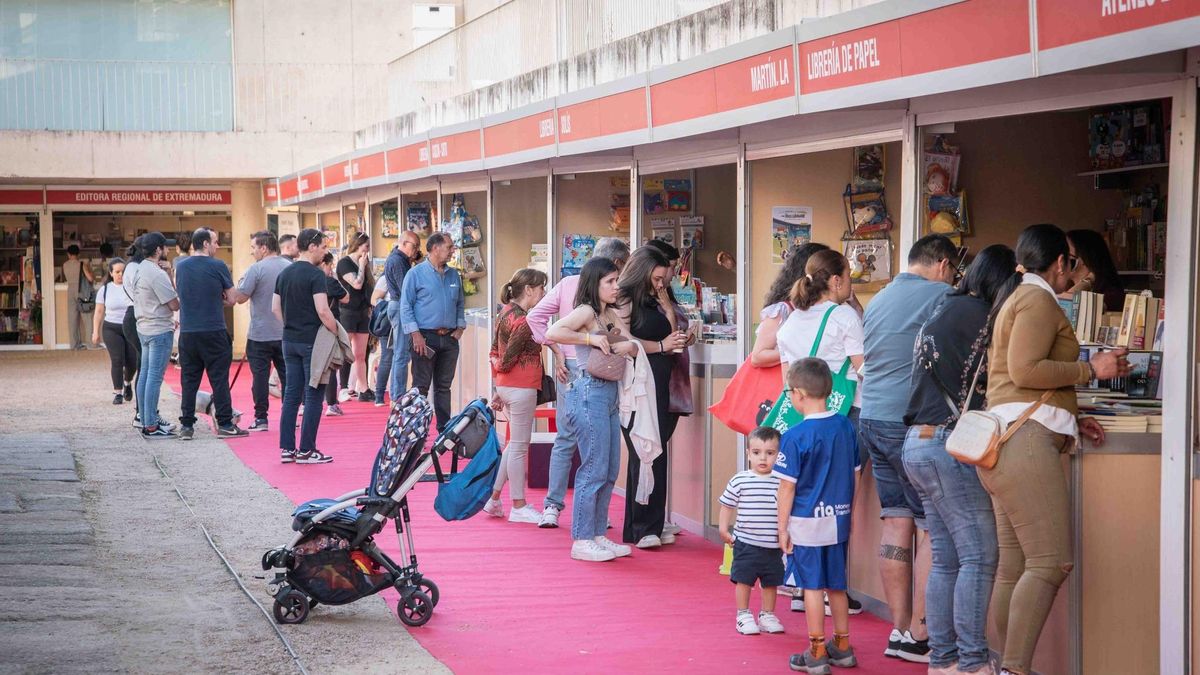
column 820, row 455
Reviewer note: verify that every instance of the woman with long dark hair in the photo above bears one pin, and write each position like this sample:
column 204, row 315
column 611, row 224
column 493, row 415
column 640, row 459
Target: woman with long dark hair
column 778, row 305
column 516, row 360
column 111, row 304
column 1033, row 367
column 591, row 405
column 354, row 271
column 950, row 349
column 642, row 280
column 1095, row 270
column 133, row 258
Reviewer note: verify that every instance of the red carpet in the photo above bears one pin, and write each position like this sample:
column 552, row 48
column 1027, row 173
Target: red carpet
column 512, row 600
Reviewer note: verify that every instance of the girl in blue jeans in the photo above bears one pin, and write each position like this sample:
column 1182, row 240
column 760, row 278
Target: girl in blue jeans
column 951, row 348
column 591, row 405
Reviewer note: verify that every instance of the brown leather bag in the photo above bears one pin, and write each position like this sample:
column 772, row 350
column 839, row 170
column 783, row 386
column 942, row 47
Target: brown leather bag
column 610, row 367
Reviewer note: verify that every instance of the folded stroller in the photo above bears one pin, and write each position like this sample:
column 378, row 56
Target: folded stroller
column 333, row 558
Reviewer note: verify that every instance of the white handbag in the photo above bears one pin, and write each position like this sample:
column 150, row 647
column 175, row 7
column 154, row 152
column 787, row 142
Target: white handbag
column 978, row 435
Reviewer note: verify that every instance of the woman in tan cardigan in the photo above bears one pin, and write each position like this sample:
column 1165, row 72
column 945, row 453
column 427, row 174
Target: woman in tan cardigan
column 1033, row 351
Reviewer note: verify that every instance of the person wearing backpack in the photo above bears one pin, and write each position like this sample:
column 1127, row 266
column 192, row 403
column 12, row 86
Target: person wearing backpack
column 81, row 296
column 517, row 371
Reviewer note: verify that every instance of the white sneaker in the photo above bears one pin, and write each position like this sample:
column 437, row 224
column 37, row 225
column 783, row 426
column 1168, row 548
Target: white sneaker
column 549, row 517
column 525, row 514
column 672, row 528
column 798, row 602
column 343, row 395
column 649, row 541
column 619, row 550
column 667, row 538
column 746, row 624
column 589, row 551
column 494, row 508
column 769, row 623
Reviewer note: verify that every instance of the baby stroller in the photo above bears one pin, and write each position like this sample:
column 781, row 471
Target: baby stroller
column 333, row 558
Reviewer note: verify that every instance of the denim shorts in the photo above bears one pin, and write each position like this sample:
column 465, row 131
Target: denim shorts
column 756, row 563
column 884, row 442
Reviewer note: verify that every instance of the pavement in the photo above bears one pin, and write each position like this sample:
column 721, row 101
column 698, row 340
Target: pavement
column 104, row 568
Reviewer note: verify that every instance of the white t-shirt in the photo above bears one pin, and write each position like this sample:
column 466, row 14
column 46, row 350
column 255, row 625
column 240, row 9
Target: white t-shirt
column 843, row 338
column 115, row 302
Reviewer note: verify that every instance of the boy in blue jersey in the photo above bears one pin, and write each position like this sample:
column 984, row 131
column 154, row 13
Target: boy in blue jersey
column 751, row 496
column 817, row 462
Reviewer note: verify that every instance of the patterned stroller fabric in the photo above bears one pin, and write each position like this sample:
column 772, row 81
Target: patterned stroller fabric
column 403, row 443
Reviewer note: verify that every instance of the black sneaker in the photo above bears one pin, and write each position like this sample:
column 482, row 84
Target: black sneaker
column 231, row 431
column 259, row 425
column 855, row 606
column 128, row 392
column 313, row 457
column 895, row 640
column 286, row 456
column 118, row 399
column 367, row 396
column 914, row 651
column 156, row 432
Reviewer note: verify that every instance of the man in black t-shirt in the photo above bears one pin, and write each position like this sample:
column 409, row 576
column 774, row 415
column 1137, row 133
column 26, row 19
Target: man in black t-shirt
column 302, row 304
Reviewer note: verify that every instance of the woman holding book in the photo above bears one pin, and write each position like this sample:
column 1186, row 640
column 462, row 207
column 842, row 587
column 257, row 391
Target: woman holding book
column 1033, row 368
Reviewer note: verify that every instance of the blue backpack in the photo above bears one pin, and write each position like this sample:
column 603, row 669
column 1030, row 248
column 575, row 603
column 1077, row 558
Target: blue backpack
column 380, row 326
column 471, row 435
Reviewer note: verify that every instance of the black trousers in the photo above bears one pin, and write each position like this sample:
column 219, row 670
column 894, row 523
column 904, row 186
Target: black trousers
column 129, row 329
column 645, row 519
column 122, row 357
column 208, row 352
column 261, row 355
column 436, row 372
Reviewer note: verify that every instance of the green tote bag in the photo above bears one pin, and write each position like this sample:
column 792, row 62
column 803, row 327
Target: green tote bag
column 783, row 416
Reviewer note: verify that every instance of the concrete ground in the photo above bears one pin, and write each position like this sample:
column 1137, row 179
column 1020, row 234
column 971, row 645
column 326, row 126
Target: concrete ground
column 102, row 566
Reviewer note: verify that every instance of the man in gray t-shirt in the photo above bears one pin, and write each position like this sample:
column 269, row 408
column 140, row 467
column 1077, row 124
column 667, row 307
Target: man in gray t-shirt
column 264, row 342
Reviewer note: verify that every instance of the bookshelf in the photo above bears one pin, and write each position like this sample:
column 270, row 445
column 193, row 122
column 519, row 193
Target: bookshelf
column 20, row 313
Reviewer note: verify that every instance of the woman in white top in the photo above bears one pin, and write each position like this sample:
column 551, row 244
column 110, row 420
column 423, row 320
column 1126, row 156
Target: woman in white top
column 824, row 286
column 111, row 303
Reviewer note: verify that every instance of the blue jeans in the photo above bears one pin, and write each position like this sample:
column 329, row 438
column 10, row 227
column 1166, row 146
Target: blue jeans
column 564, row 446
column 401, row 344
column 962, row 535
column 156, row 353
column 384, row 369
column 297, row 358
column 592, row 407
column 884, row 442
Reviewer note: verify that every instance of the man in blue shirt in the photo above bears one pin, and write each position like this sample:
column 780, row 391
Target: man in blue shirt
column 890, row 326
column 205, row 289
column 431, row 314
column 399, row 262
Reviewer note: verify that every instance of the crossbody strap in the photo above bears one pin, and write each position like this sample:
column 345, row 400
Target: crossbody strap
column 821, row 331
column 1012, row 428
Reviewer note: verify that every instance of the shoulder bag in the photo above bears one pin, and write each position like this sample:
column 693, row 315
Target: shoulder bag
column 841, row 398
column 978, row 435
column 609, row 367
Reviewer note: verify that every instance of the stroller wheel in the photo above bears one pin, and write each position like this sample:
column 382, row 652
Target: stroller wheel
column 429, row 588
column 291, row 607
column 415, row 609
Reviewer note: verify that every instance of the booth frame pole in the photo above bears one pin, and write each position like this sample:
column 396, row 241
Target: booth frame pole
column 742, row 222
column 910, row 221
column 551, row 230
column 1178, row 439
column 635, row 202
column 490, row 242
column 46, row 256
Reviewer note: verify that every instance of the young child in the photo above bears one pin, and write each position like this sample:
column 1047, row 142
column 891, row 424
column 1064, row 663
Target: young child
column 755, row 539
column 816, row 467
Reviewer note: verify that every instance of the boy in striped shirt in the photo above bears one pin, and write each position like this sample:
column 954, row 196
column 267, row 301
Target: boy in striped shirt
column 755, row 538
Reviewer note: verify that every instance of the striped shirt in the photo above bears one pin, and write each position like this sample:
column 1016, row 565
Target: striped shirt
column 753, row 496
